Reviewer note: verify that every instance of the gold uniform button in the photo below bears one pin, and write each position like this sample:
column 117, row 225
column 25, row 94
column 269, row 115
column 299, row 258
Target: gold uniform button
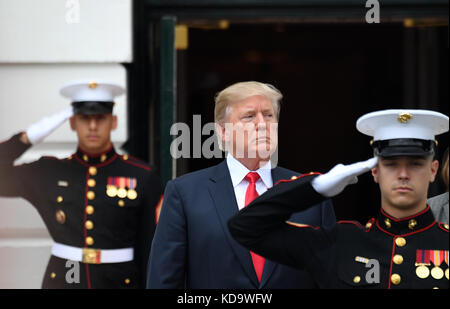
column 103, row 158
column 89, row 241
column 127, row 281
column 400, row 241
column 368, row 225
column 92, row 171
column 121, row 203
column 396, row 279
column 90, row 195
column 85, row 158
column 294, row 177
column 91, row 183
column 89, row 210
column 60, row 217
column 59, row 199
column 357, row 279
column 125, row 157
column 53, row 275
column 398, row 259
column 89, row 225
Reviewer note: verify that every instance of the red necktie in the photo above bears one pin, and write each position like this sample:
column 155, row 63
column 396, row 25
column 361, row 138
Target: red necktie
column 250, row 195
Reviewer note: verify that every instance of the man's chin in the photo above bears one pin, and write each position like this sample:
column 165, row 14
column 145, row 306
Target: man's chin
column 93, row 147
column 404, row 204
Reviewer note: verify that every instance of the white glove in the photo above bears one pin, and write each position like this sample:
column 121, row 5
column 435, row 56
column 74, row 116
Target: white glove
column 41, row 129
column 333, row 182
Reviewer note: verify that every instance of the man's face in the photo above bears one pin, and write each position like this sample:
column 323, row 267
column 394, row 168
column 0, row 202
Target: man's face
column 251, row 129
column 94, row 131
column 404, row 181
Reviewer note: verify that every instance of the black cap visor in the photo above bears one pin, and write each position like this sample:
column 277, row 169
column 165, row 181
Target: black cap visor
column 92, row 107
column 404, row 147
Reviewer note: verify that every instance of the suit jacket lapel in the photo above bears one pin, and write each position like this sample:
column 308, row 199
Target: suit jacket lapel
column 222, row 193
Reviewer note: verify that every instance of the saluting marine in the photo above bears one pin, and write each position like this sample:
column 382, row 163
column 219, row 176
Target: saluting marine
column 98, row 206
column 404, row 247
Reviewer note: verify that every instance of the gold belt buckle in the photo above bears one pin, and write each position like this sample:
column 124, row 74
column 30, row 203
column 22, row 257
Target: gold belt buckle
column 91, row 256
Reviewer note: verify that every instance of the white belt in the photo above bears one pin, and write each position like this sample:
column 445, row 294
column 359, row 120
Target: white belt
column 91, row 255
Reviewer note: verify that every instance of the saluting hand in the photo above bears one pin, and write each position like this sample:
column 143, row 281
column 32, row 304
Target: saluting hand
column 340, row 176
column 41, row 129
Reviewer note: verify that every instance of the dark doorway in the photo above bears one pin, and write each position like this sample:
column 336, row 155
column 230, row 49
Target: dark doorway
column 330, row 74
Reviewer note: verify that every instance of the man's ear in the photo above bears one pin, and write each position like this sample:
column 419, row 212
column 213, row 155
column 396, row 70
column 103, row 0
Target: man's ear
column 375, row 174
column 434, row 170
column 114, row 123
column 72, row 123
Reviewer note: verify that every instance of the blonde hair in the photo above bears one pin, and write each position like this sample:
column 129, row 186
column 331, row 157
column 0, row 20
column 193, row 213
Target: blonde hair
column 241, row 91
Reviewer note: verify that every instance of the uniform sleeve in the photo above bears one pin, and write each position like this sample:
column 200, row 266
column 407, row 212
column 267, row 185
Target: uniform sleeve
column 153, row 192
column 262, row 227
column 14, row 180
column 168, row 255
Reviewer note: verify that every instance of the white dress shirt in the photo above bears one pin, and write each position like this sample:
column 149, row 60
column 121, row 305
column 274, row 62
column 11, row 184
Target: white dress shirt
column 238, row 172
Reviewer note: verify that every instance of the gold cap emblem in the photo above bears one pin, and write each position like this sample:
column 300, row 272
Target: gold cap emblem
column 93, row 85
column 404, row 117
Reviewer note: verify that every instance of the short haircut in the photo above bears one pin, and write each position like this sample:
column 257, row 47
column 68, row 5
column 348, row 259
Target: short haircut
column 225, row 99
column 241, row 91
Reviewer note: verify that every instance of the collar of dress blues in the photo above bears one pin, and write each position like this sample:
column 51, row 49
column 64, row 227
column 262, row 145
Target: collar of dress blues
column 409, row 225
column 102, row 158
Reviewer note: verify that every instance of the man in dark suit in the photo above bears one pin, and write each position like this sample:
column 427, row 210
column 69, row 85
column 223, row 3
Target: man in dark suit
column 192, row 247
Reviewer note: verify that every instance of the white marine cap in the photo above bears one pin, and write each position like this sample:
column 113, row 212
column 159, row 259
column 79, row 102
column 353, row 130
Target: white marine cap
column 92, row 97
column 403, row 131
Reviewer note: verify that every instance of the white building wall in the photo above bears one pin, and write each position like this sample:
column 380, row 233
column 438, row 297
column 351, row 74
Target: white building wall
column 43, row 45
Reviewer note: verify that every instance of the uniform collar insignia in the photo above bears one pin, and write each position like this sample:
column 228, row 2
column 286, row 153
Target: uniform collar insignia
column 411, row 224
column 102, row 158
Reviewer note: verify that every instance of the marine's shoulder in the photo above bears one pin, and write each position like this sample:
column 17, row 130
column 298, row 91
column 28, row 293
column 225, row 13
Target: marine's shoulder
column 132, row 161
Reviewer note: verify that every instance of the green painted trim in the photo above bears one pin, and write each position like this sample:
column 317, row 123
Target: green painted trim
column 167, row 94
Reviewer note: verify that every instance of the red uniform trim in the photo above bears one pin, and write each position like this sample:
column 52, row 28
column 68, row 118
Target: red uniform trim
column 301, row 225
column 351, row 222
column 442, row 227
column 97, row 165
column 372, row 221
column 297, row 177
column 392, row 259
column 407, row 234
column 158, row 209
column 147, row 168
column 88, row 277
column 407, row 218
